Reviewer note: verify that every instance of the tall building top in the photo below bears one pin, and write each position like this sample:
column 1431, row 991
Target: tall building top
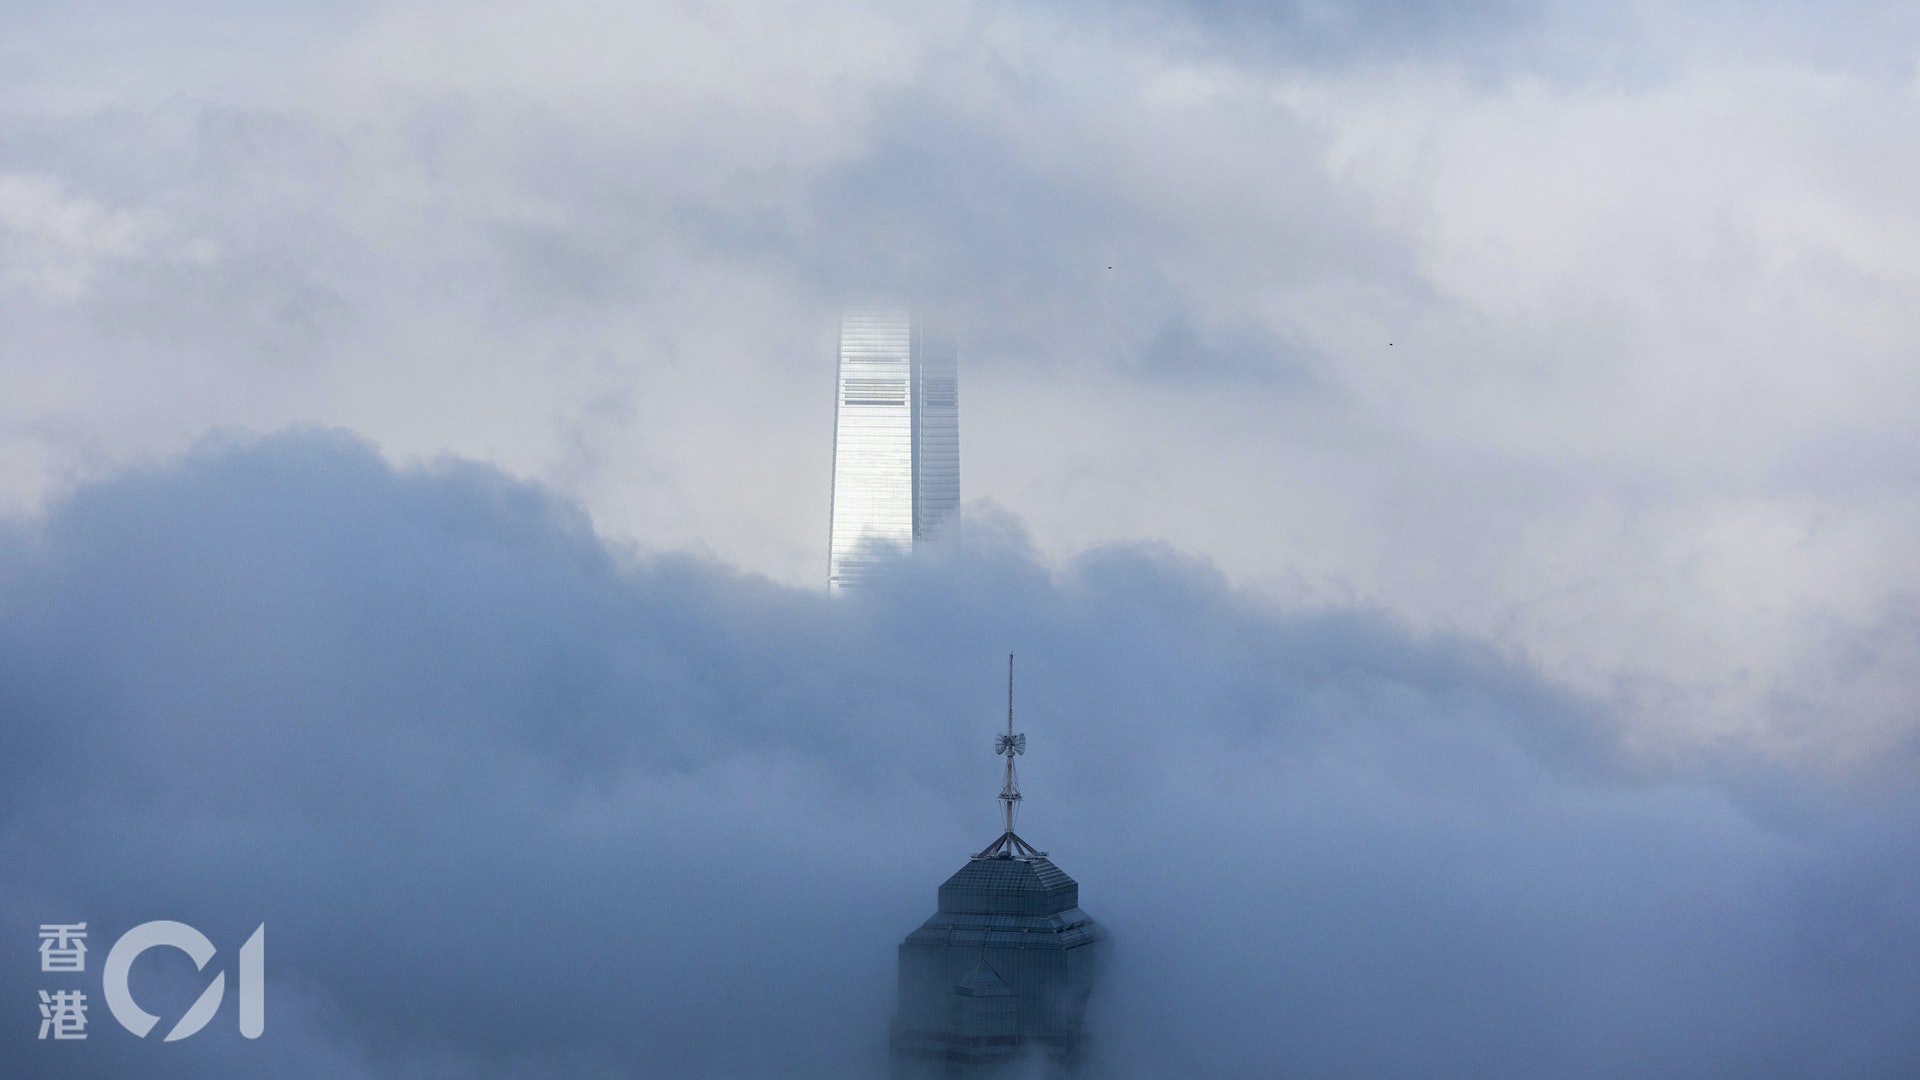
column 896, row 441
column 995, row 983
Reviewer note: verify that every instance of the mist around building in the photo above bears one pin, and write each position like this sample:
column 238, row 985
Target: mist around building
column 518, row 803
column 1448, row 473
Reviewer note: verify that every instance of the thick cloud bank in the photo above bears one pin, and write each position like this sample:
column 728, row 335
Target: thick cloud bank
column 512, row 804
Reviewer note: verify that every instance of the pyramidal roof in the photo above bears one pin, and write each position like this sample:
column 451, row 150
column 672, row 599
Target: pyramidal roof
column 1004, row 885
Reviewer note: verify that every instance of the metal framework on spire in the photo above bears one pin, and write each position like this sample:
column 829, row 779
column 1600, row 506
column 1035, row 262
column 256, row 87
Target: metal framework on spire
column 1010, row 745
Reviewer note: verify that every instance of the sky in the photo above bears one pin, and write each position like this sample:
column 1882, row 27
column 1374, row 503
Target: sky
column 1450, row 474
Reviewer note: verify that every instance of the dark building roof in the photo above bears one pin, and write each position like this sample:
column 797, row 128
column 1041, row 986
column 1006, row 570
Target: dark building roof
column 995, row 984
column 1009, row 886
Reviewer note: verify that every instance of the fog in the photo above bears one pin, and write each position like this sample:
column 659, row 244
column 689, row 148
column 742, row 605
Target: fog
column 513, row 800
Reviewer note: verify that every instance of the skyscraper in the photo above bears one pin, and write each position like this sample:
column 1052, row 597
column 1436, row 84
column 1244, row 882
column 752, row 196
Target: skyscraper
column 896, row 441
column 995, row 984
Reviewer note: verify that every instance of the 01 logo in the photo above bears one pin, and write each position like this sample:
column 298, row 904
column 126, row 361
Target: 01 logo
column 178, row 935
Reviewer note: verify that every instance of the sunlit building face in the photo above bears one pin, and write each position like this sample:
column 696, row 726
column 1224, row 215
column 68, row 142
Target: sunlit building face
column 896, row 449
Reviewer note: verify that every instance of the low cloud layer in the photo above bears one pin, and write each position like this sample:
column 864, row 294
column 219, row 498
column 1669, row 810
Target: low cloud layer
column 513, row 802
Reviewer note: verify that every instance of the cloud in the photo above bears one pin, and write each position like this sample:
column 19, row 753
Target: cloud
column 1583, row 334
column 54, row 243
column 513, row 801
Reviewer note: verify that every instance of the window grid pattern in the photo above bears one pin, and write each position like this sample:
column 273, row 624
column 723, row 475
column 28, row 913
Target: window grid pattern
column 896, row 452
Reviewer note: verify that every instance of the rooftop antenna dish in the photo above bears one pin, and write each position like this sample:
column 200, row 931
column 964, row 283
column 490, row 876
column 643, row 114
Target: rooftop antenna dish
column 1010, row 745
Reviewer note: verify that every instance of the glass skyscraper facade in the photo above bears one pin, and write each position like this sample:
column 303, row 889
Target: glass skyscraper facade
column 994, row 986
column 896, row 441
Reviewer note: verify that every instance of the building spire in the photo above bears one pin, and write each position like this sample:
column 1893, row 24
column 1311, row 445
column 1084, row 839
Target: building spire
column 1011, row 745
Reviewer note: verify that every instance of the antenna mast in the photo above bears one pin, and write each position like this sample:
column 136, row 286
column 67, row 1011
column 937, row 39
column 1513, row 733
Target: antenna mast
column 1012, row 745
